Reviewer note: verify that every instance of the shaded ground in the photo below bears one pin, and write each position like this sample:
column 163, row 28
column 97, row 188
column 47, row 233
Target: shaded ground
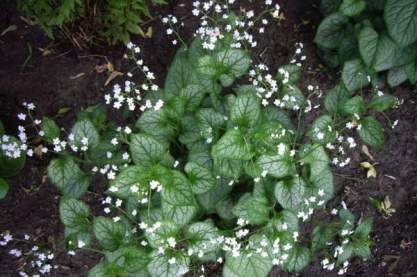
column 67, row 78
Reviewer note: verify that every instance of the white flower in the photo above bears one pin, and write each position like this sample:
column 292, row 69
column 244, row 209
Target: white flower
column 287, row 246
column 172, row 260
column 241, row 222
column 119, row 202
column 114, row 141
column 171, row 242
column 159, row 104
column 134, row 188
column 127, row 130
column 81, row 244
column 21, row 116
column 15, row 252
column 320, row 135
column 111, row 175
column 281, row 149
column 84, row 141
column 113, row 189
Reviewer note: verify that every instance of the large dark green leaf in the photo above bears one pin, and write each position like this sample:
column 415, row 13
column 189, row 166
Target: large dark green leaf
column 321, row 130
column 156, row 124
column 74, row 213
column 85, row 129
column 236, row 61
column 245, row 265
column 411, row 71
column 380, row 52
column 221, row 191
column 382, row 102
column 180, row 74
column 200, row 235
column 148, row 151
column 228, row 168
column 331, row 31
column 253, row 208
column 396, row 76
column 321, row 237
column 290, row 193
column 354, row 75
column 246, row 110
column 233, row 146
column 50, row 128
column 200, row 177
column 298, row 258
column 130, row 259
column 371, row 132
column 168, row 229
column 401, row 20
column 160, row 267
column 355, row 105
column 178, row 202
column 65, row 174
column 110, row 234
column 364, row 229
column 277, row 165
column 336, row 98
column 286, row 220
column 352, row 7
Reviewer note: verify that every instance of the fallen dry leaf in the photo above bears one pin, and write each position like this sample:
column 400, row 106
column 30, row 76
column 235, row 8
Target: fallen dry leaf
column 38, row 150
column 371, row 171
column 148, row 34
column 104, row 67
column 365, row 150
column 405, row 244
column 11, row 28
column 112, row 76
column 77, row 76
column 45, row 51
column 63, row 111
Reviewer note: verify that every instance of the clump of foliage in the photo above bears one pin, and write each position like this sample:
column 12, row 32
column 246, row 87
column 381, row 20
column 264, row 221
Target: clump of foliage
column 213, row 170
column 375, row 38
column 12, row 158
column 114, row 19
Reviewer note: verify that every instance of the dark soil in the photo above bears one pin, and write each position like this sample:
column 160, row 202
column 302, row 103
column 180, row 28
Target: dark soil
column 67, row 78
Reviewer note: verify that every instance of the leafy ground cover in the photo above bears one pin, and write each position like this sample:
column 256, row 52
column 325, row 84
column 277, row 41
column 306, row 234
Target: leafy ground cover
column 61, row 79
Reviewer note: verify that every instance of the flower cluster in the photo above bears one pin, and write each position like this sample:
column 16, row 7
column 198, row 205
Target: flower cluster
column 130, row 94
column 10, row 148
column 33, row 260
column 216, row 23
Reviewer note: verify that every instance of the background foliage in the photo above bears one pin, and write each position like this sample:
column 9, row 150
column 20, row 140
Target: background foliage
column 113, row 19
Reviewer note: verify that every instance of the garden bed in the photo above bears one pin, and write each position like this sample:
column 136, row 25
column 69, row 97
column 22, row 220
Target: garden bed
column 68, row 78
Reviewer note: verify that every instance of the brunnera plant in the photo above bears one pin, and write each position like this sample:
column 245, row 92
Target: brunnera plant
column 375, row 38
column 219, row 167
